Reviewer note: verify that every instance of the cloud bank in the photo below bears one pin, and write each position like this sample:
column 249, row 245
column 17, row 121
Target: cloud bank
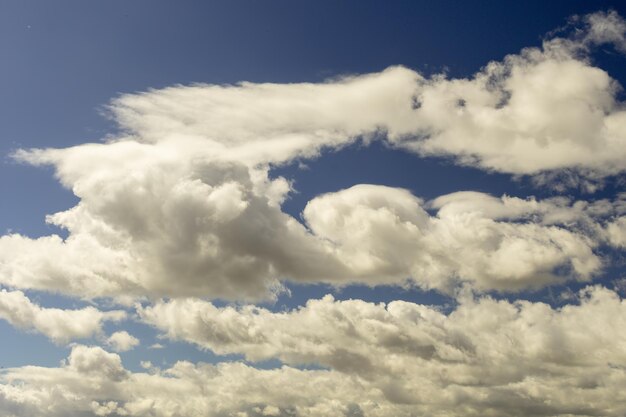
column 195, row 237
column 180, row 203
column 485, row 358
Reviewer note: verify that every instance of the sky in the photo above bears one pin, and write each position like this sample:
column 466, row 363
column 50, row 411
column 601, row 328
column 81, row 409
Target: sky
column 315, row 208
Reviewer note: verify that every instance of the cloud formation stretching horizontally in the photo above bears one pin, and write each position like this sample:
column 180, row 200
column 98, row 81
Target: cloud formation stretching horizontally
column 224, row 240
column 180, row 208
column 184, row 191
column 487, row 357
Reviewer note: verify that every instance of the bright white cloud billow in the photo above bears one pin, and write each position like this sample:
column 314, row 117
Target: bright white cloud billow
column 122, row 341
column 493, row 243
column 504, row 117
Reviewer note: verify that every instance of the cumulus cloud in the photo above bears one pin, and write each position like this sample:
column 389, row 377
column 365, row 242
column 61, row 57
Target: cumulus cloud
column 95, row 362
column 180, row 201
column 198, row 237
column 486, row 357
column 494, row 243
column 179, row 231
column 57, row 324
column 122, row 341
column 504, row 119
column 373, row 340
column 93, row 383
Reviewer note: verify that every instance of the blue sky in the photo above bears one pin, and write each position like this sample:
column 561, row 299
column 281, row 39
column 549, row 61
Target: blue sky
column 253, row 157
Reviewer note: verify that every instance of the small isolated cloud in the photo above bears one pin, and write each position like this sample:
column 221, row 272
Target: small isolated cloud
column 60, row 326
column 122, row 341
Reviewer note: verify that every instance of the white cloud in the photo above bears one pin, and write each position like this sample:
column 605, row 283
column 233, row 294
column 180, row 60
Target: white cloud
column 122, row 341
column 180, row 203
column 208, row 225
column 59, row 325
column 494, row 243
column 601, row 28
column 78, row 389
column 505, row 118
column 263, row 123
column 129, row 241
column 486, row 357
column 183, row 189
column 616, row 232
column 376, row 340
column 95, row 362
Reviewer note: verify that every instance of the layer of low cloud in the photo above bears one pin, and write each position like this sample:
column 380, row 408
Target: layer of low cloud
column 481, row 339
column 60, row 326
column 486, row 357
column 180, row 203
